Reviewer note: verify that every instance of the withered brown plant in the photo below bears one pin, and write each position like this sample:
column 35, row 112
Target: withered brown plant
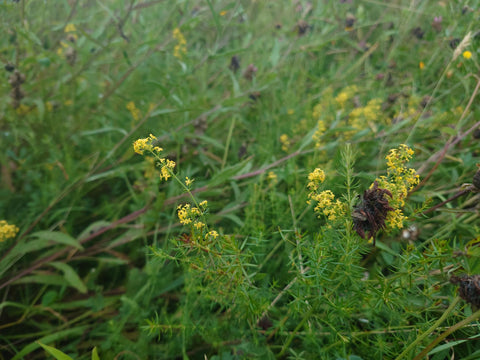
column 469, row 288
column 369, row 216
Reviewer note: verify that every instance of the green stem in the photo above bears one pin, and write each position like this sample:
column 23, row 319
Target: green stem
column 453, row 328
column 292, row 335
column 227, row 145
column 430, row 330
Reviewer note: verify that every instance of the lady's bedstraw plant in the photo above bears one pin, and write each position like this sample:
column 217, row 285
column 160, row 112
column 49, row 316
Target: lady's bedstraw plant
column 381, row 205
column 206, row 256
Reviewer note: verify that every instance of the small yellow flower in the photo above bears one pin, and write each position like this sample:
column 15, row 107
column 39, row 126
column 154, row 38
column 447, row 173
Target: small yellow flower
column 199, row 225
column 467, row 54
column 272, row 177
column 315, row 178
column 181, row 48
column 7, row 231
column 167, row 168
column 188, row 181
column 133, row 110
column 140, row 145
column 421, row 65
column 203, row 204
column 70, row 28
column 223, row 13
column 290, row 111
column 213, row 234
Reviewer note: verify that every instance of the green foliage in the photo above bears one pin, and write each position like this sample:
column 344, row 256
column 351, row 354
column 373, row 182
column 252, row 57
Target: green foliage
column 224, row 245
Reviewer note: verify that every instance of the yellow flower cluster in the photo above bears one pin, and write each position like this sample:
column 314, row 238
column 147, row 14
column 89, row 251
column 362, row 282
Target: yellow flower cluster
column 326, row 204
column 181, row 48
column 272, row 177
column 7, row 231
column 368, row 113
column 188, row 181
column 136, row 113
column 167, row 167
column 399, row 181
column 188, row 214
column 285, row 141
column 315, row 178
column 65, row 49
column 345, row 95
column 141, row 146
column 192, row 215
column 317, row 136
column 70, row 28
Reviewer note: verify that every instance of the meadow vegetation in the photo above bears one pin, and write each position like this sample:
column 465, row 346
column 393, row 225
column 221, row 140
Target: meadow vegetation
column 205, row 179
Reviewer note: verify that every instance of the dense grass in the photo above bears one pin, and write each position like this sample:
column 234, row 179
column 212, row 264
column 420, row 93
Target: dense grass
column 247, row 98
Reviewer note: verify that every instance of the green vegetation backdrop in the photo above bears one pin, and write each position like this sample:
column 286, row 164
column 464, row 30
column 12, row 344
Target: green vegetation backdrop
column 239, row 179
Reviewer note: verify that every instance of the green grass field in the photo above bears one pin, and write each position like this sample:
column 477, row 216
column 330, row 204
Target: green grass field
column 199, row 179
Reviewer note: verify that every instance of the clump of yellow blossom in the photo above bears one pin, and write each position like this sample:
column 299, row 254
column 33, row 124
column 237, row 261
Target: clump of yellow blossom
column 70, row 28
column 188, row 181
column 467, row 54
column 180, row 48
column 136, row 113
column 194, row 217
column 213, row 234
column 399, row 181
column 285, row 141
column 367, row 116
column 326, row 204
column 345, row 95
column 167, row 167
column 421, row 65
column 141, row 146
column 317, row 136
column 188, row 214
column 7, row 231
column 315, row 178
column 272, row 177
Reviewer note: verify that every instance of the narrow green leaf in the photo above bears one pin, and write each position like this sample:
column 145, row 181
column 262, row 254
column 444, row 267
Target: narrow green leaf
column 448, row 130
column 70, row 276
column 58, row 237
column 57, row 354
column 61, row 335
column 95, row 354
column 50, row 279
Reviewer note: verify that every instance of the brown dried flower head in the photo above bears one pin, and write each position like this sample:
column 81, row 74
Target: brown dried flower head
column 369, row 216
column 469, row 288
